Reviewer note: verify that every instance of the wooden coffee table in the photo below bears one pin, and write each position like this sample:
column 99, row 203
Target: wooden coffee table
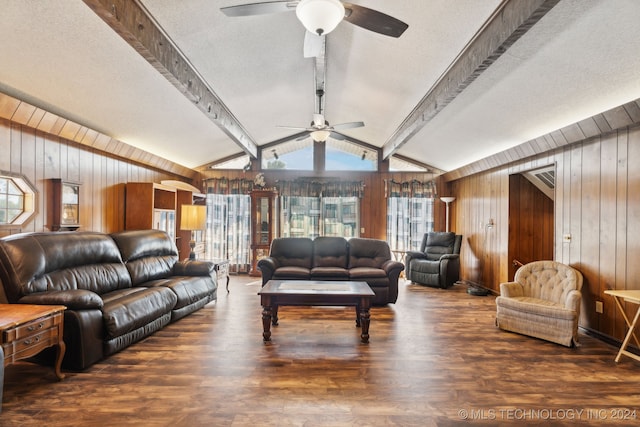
column 320, row 293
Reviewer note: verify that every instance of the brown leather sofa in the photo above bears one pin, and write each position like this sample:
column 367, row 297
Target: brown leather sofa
column 334, row 258
column 117, row 288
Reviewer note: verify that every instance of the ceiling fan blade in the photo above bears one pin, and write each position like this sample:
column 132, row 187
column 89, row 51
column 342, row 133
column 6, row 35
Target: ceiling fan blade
column 303, row 137
column 259, row 8
column 293, row 128
column 350, row 125
column 338, row 136
column 312, row 44
column 373, row 20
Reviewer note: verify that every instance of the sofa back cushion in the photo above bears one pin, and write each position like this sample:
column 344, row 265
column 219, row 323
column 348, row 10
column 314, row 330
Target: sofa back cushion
column 148, row 254
column 368, row 252
column 292, row 251
column 39, row 262
column 438, row 243
column 330, row 252
column 548, row 280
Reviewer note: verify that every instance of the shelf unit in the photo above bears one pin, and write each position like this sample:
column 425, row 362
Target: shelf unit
column 264, row 225
column 149, row 205
column 64, row 205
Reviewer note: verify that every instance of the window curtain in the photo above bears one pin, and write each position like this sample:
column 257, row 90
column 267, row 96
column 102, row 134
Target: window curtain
column 409, row 213
column 312, row 208
column 229, row 221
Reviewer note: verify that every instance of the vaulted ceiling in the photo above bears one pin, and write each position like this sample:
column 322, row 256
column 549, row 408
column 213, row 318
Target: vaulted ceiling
column 182, row 80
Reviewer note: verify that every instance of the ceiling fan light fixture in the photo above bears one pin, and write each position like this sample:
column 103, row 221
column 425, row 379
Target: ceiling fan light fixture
column 320, row 16
column 320, row 135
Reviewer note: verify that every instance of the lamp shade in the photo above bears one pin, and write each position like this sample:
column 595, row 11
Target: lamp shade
column 320, row 135
column 193, row 217
column 320, row 16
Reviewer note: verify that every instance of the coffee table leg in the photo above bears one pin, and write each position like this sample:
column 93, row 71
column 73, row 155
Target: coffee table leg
column 365, row 317
column 274, row 315
column 266, row 322
column 358, row 316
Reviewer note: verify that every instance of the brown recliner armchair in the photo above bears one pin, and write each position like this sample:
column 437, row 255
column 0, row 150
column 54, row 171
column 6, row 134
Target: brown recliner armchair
column 437, row 263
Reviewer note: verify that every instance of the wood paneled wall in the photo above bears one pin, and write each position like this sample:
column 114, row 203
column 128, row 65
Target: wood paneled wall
column 40, row 156
column 597, row 202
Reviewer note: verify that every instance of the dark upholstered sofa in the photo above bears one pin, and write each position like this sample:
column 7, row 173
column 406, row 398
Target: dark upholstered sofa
column 334, row 258
column 117, row 288
column 437, row 263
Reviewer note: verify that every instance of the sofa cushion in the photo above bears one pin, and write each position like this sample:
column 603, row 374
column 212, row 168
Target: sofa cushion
column 362, row 273
column 329, row 273
column 292, row 251
column 291, row 272
column 537, row 306
column 438, row 244
column 129, row 309
column 148, row 254
column 39, row 262
column 330, row 252
column 425, row 266
column 368, row 252
column 188, row 289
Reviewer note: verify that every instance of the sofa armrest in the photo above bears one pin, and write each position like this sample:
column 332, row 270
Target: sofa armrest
column 449, row 256
column 267, row 267
column 415, row 254
column 511, row 290
column 573, row 300
column 193, row 268
column 390, row 267
column 73, row 299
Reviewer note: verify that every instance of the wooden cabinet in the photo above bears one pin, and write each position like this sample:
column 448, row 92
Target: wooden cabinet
column 150, row 206
column 64, row 213
column 264, row 225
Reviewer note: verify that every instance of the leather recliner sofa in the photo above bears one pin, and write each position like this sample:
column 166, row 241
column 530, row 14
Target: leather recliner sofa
column 334, row 258
column 118, row 288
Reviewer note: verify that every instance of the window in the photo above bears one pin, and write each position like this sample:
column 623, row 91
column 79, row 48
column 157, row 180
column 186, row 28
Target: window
column 17, row 199
column 291, row 155
column 408, row 219
column 344, row 155
column 320, row 216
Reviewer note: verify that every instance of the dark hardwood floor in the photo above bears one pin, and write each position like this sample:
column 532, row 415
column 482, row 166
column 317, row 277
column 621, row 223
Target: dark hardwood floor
column 435, row 358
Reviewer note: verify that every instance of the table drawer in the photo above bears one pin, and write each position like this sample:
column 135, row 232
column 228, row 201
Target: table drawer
column 31, row 345
column 32, row 327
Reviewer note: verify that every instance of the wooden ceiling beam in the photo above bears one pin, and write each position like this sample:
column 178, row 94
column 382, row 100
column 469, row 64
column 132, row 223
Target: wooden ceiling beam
column 134, row 24
column 510, row 22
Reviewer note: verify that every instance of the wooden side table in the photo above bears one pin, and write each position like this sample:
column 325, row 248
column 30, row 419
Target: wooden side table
column 221, row 266
column 632, row 296
column 26, row 330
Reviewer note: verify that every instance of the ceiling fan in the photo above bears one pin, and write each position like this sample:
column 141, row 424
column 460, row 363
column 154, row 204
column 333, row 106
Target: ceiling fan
column 320, row 130
column 322, row 16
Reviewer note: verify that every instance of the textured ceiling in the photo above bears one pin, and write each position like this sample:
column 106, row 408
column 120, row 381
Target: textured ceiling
column 579, row 60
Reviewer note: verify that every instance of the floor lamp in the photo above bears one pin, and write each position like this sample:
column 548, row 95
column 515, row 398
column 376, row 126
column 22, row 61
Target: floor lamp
column 193, row 218
column 447, row 200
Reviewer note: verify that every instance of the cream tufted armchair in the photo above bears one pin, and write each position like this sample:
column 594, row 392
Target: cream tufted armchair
column 543, row 301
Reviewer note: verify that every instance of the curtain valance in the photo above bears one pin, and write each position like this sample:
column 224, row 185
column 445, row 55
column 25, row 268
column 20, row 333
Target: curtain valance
column 313, row 188
column 413, row 188
column 229, row 186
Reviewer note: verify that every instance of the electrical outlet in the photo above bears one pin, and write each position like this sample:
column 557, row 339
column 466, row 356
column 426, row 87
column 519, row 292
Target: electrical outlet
column 566, row 237
column 599, row 307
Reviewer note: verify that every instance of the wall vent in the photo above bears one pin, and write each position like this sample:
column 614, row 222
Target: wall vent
column 544, row 179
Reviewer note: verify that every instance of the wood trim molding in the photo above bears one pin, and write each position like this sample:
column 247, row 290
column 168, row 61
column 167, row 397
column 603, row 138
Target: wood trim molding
column 25, row 114
column 131, row 21
column 510, row 22
column 625, row 115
